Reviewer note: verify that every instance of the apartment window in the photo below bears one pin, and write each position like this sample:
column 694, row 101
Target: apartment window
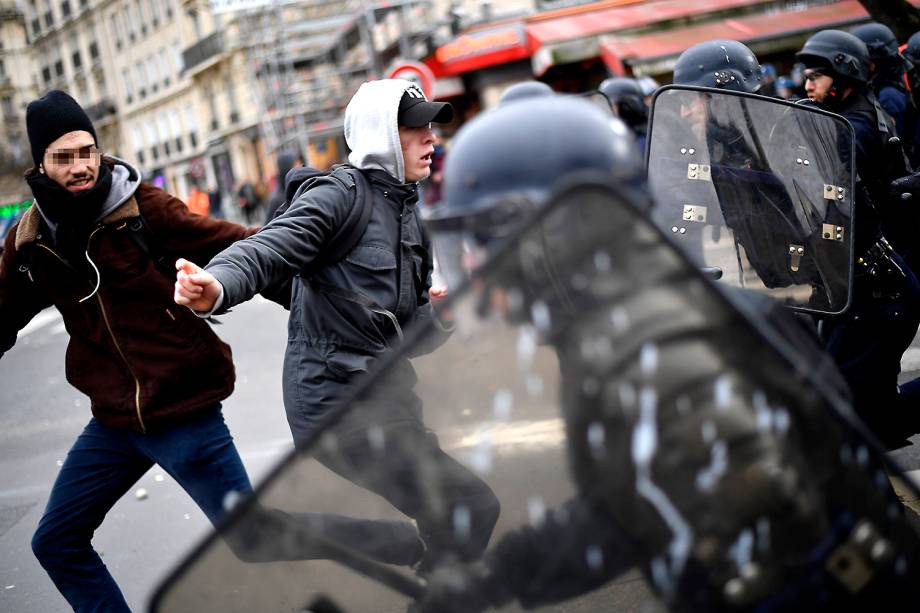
column 164, row 66
column 131, row 21
column 230, row 89
column 36, row 27
column 152, row 72
column 93, row 45
column 117, row 32
column 46, row 75
column 84, row 4
column 2, row 70
column 191, row 122
column 6, row 103
column 163, row 131
column 59, row 68
column 169, row 8
column 75, row 57
column 101, row 84
column 49, row 19
column 142, row 22
column 140, row 74
column 196, row 23
column 65, row 9
column 137, row 142
column 154, row 7
column 177, row 49
column 128, row 86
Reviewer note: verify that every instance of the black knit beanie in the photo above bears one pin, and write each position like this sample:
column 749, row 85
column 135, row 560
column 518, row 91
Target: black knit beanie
column 51, row 117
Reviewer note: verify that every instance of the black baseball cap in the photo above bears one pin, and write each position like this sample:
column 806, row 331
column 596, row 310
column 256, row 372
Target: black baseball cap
column 415, row 111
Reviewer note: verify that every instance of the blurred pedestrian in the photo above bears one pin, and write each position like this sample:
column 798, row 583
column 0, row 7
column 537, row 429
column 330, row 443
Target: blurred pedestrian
column 248, row 199
column 768, row 80
column 786, row 88
column 198, row 201
column 286, row 161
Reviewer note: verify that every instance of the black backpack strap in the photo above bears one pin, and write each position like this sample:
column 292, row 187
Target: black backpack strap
column 352, row 229
column 143, row 237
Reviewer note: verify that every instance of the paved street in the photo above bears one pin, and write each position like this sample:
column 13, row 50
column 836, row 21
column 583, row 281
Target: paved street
column 143, row 537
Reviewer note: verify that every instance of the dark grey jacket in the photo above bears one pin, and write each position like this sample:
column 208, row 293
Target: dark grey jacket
column 349, row 313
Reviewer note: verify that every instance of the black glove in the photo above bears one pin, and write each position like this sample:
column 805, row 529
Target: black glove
column 906, row 189
column 461, row 588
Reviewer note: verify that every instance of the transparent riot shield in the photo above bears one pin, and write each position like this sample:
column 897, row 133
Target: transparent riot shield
column 759, row 189
column 622, row 410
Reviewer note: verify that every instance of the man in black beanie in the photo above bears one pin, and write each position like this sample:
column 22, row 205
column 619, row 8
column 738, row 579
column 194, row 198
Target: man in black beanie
column 155, row 374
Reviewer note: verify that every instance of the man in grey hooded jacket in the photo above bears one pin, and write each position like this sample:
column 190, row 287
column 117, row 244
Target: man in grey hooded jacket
column 350, row 313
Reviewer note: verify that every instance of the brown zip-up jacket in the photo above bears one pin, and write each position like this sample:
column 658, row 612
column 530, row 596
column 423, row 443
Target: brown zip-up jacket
column 143, row 361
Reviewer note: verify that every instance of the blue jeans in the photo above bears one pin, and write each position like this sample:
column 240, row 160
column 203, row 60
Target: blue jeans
column 103, row 464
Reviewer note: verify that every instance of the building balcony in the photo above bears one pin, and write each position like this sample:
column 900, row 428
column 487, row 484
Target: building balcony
column 104, row 107
column 202, row 51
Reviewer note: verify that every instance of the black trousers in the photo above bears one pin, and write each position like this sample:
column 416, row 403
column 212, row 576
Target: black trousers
column 399, row 458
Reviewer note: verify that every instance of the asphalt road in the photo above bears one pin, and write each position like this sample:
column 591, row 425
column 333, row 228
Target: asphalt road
column 144, row 537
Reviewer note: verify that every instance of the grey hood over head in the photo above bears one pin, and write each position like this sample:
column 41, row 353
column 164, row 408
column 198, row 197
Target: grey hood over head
column 371, row 127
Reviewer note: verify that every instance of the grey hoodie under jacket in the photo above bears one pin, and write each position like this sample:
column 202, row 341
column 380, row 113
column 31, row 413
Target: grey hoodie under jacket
column 332, row 339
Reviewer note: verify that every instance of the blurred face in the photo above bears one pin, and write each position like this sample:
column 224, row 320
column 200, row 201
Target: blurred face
column 817, row 85
column 417, row 148
column 72, row 161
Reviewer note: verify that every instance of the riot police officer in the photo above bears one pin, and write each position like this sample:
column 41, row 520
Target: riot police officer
column 703, row 446
column 525, row 89
column 887, row 79
column 867, row 343
column 628, row 103
column 723, row 64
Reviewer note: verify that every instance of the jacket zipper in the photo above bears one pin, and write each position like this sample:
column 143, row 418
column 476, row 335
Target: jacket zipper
column 399, row 285
column 105, row 318
column 137, row 384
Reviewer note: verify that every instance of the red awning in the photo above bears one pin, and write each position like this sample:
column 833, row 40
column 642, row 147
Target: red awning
column 617, row 50
column 627, row 16
column 508, row 41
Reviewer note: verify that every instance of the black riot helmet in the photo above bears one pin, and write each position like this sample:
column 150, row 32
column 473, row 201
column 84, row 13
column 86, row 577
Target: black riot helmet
column 839, row 53
column 880, row 41
column 912, row 51
column 504, row 164
column 627, row 100
column 526, row 89
column 725, row 64
column 617, row 89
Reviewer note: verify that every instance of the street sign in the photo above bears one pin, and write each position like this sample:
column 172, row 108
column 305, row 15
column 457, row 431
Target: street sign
column 416, row 72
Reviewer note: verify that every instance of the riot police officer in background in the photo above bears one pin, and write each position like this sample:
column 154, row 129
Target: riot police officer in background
column 525, row 89
column 868, row 342
column 886, row 78
column 628, row 103
column 684, row 462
